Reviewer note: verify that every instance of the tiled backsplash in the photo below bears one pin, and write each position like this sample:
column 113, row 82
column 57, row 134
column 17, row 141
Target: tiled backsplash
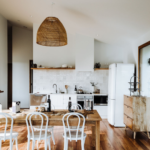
column 43, row 80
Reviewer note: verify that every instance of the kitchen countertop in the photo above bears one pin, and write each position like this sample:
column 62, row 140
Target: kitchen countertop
column 71, row 94
column 76, row 94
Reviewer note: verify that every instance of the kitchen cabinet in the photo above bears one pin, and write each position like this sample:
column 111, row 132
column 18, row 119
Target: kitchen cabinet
column 102, row 110
column 57, row 101
column 61, row 101
column 137, row 114
column 84, row 49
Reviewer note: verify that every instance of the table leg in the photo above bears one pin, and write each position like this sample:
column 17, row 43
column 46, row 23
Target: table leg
column 134, row 135
column 98, row 135
column 93, row 136
column 148, row 135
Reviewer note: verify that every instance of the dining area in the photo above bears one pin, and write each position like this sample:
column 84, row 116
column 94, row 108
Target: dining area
column 36, row 127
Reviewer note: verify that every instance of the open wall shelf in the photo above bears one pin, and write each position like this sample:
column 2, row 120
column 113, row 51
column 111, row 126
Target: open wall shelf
column 65, row 69
column 53, row 68
column 101, row 69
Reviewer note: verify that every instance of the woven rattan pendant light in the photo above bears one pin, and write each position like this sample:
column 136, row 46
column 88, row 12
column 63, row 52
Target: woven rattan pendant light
column 51, row 33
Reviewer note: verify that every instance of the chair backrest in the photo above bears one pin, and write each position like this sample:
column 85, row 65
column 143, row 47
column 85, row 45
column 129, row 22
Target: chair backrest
column 5, row 115
column 75, row 106
column 37, row 116
column 67, row 128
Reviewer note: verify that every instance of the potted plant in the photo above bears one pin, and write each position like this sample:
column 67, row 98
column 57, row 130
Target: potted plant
column 93, row 86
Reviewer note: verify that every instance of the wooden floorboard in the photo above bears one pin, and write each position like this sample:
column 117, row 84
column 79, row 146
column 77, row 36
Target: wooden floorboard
column 111, row 139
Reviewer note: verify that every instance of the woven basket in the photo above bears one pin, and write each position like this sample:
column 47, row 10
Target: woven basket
column 51, row 33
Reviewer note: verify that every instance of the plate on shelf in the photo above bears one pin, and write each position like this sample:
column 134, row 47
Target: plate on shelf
column 64, row 66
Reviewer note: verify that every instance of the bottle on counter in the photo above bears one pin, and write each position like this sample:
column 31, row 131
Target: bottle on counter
column 75, row 89
column 69, row 104
column 49, row 104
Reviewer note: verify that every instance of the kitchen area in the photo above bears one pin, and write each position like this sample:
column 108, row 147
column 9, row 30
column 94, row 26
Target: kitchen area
column 74, row 77
column 78, row 78
column 85, row 72
column 80, row 70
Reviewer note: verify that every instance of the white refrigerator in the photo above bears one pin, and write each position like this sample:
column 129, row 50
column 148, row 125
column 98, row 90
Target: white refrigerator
column 118, row 86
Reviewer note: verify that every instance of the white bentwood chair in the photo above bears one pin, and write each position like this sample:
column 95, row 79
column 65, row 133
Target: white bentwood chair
column 50, row 128
column 73, row 133
column 8, row 135
column 75, row 106
column 38, row 135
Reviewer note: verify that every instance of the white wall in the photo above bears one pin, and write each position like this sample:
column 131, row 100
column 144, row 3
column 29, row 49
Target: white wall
column 43, row 80
column 53, row 56
column 56, row 56
column 3, row 61
column 107, row 53
column 84, row 47
column 22, row 52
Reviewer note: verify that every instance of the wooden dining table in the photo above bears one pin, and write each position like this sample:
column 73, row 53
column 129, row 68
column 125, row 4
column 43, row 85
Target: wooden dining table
column 92, row 118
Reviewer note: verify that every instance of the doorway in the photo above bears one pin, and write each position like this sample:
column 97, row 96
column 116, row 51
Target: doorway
column 144, row 69
column 10, row 66
column 30, row 76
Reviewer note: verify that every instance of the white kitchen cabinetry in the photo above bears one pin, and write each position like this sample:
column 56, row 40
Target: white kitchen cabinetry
column 102, row 110
column 57, row 101
column 61, row 101
column 84, row 53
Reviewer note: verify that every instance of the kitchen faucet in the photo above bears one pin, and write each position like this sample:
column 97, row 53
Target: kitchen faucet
column 56, row 87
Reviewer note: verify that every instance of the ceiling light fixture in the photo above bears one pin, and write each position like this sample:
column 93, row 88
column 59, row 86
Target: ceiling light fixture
column 51, row 32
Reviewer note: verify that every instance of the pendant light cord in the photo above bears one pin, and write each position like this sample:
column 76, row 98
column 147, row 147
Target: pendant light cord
column 52, row 7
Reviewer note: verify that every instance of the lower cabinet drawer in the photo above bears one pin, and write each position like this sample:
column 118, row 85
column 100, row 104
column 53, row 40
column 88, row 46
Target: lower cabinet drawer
column 102, row 110
column 128, row 121
column 128, row 100
column 128, row 111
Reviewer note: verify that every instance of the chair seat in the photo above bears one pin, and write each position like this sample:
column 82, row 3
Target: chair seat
column 14, row 135
column 43, row 128
column 37, row 133
column 73, row 135
column 73, row 128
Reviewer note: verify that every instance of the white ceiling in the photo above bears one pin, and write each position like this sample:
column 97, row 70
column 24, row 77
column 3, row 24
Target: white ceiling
column 114, row 21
